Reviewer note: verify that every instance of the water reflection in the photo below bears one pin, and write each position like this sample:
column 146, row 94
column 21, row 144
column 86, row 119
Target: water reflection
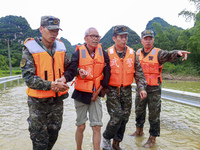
column 180, row 125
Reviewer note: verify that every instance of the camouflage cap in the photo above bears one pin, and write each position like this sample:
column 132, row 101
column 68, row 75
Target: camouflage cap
column 50, row 22
column 146, row 33
column 120, row 29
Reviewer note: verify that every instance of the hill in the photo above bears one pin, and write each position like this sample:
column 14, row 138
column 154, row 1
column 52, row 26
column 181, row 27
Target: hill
column 133, row 39
column 160, row 21
column 16, row 29
column 69, row 47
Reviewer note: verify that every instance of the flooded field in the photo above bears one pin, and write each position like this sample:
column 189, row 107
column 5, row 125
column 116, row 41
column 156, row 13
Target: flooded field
column 180, row 125
column 189, row 86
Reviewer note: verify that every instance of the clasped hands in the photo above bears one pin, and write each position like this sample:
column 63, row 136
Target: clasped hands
column 59, row 85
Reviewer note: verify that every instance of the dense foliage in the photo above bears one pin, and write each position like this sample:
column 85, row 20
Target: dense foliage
column 173, row 38
column 167, row 37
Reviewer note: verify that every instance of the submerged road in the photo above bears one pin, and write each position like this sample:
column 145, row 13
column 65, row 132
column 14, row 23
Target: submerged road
column 180, row 125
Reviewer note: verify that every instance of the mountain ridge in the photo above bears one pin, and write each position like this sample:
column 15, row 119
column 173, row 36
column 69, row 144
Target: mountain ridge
column 17, row 30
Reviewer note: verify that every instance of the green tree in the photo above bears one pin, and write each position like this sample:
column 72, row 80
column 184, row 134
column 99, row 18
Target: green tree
column 183, row 39
column 172, row 34
column 161, row 39
column 194, row 44
column 192, row 37
column 194, row 40
column 189, row 15
column 3, row 63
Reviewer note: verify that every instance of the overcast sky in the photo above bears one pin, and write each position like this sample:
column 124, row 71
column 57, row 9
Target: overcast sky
column 77, row 16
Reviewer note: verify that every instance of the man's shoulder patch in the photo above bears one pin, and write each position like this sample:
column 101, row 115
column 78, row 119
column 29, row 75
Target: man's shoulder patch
column 23, row 62
column 28, row 39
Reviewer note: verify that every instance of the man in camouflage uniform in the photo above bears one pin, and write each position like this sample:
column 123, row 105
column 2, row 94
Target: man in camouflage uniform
column 124, row 67
column 152, row 72
column 45, row 97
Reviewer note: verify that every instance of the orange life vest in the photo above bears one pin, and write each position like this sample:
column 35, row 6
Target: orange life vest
column 150, row 65
column 47, row 68
column 122, row 70
column 94, row 68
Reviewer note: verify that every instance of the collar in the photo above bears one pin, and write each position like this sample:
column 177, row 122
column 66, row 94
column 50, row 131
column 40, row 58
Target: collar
column 88, row 49
column 145, row 52
column 124, row 50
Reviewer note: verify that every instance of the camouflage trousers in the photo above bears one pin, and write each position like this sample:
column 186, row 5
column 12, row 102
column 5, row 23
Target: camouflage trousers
column 153, row 100
column 45, row 121
column 119, row 103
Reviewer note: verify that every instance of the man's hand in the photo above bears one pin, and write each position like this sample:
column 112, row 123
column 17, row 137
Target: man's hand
column 62, row 79
column 96, row 93
column 104, row 91
column 143, row 94
column 59, row 85
column 183, row 54
column 83, row 73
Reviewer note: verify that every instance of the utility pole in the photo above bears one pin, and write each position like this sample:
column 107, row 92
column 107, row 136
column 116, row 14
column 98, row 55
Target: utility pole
column 10, row 65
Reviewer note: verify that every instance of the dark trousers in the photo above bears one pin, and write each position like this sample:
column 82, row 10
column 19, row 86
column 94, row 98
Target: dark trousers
column 45, row 121
column 153, row 101
column 119, row 103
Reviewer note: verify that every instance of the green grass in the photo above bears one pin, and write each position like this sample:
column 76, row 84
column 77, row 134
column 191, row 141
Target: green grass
column 15, row 71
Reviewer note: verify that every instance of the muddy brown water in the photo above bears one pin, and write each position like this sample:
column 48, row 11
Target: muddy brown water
column 180, row 125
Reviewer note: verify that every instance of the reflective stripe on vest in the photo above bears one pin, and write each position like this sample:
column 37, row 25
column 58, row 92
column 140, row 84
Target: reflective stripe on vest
column 150, row 65
column 94, row 68
column 47, row 68
column 122, row 70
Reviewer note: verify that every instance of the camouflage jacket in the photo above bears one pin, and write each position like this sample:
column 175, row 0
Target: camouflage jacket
column 28, row 68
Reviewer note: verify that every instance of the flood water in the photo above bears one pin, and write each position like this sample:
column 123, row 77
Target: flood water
column 180, row 125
